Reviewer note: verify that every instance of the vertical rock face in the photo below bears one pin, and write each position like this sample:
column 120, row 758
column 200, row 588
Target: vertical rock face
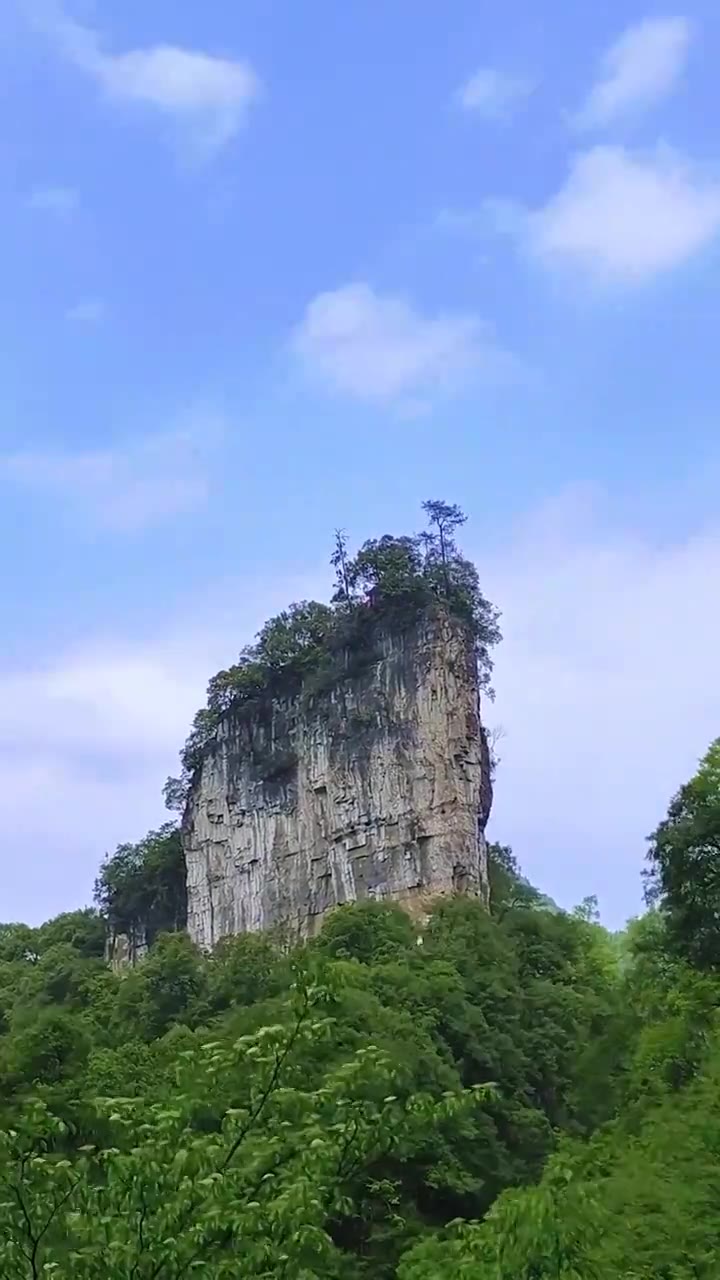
column 123, row 949
column 378, row 788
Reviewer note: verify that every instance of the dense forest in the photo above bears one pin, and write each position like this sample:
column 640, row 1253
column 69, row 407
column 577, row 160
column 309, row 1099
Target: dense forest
column 511, row 1093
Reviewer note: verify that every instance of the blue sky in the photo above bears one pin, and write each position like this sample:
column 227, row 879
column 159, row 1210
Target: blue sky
column 273, row 268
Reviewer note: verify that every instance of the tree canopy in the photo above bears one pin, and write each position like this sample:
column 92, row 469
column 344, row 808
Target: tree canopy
column 142, row 886
column 684, row 865
column 261, row 1111
column 512, row 1094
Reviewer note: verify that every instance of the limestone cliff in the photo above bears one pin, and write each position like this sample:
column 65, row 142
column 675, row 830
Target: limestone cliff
column 377, row 788
column 125, row 947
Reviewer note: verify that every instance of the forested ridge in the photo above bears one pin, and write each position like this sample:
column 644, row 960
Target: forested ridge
column 510, row 1093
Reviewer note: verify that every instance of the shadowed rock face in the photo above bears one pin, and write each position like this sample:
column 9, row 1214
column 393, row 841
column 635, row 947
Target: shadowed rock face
column 378, row 788
column 123, row 950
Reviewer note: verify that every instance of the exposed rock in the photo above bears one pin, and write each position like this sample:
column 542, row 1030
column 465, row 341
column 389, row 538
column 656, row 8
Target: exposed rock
column 123, row 950
column 378, row 788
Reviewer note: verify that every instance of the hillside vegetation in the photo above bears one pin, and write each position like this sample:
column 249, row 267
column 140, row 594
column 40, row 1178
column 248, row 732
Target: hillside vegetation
column 515, row 1094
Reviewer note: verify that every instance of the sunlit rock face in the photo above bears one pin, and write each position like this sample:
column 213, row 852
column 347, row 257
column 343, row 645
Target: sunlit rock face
column 378, row 788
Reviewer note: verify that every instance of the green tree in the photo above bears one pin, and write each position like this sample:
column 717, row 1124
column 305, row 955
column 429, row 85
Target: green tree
column 18, row 942
column 508, row 886
column 443, row 518
column 168, row 987
column 244, row 970
column 294, row 641
column 84, row 931
column 144, row 884
column 371, row 932
column 388, row 572
column 254, row 1195
column 339, row 560
column 44, row 1047
column 684, row 865
column 549, row 1232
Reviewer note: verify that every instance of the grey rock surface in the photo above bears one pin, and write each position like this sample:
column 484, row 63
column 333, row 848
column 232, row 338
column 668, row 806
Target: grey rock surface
column 377, row 788
column 123, row 950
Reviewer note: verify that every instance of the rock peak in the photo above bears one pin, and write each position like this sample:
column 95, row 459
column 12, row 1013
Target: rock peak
column 376, row 788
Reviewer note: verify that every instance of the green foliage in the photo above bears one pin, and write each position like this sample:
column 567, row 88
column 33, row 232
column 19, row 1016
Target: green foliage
column 245, row 970
column 544, row 1233
column 632, row 1205
column 142, row 886
column 388, row 585
column 252, row 1195
column 371, row 932
column 638, row 1201
column 427, row 1073
column 43, row 1049
column 168, row 988
column 508, row 886
column 503, row 1095
column 684, row 870
column 83, row 931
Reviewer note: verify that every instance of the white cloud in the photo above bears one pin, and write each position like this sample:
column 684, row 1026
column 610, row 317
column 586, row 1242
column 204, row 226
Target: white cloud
column 88, row 738
column 641, row 68
column 87, row 311
column 380, row 347
column 607, row 693
column 625, row 217
column 62, row 201
column 85, row 746
column 213, row 94
column 493, row 94
column 124, row 488
column 96, row 700
column 208, row 95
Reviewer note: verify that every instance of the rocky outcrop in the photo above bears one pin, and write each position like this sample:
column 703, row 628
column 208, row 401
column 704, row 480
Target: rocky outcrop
column 377, row 788
column 125, row 947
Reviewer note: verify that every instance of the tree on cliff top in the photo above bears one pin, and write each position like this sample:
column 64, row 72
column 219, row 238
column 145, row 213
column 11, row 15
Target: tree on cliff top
column 444, row 518
column 389, row 583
